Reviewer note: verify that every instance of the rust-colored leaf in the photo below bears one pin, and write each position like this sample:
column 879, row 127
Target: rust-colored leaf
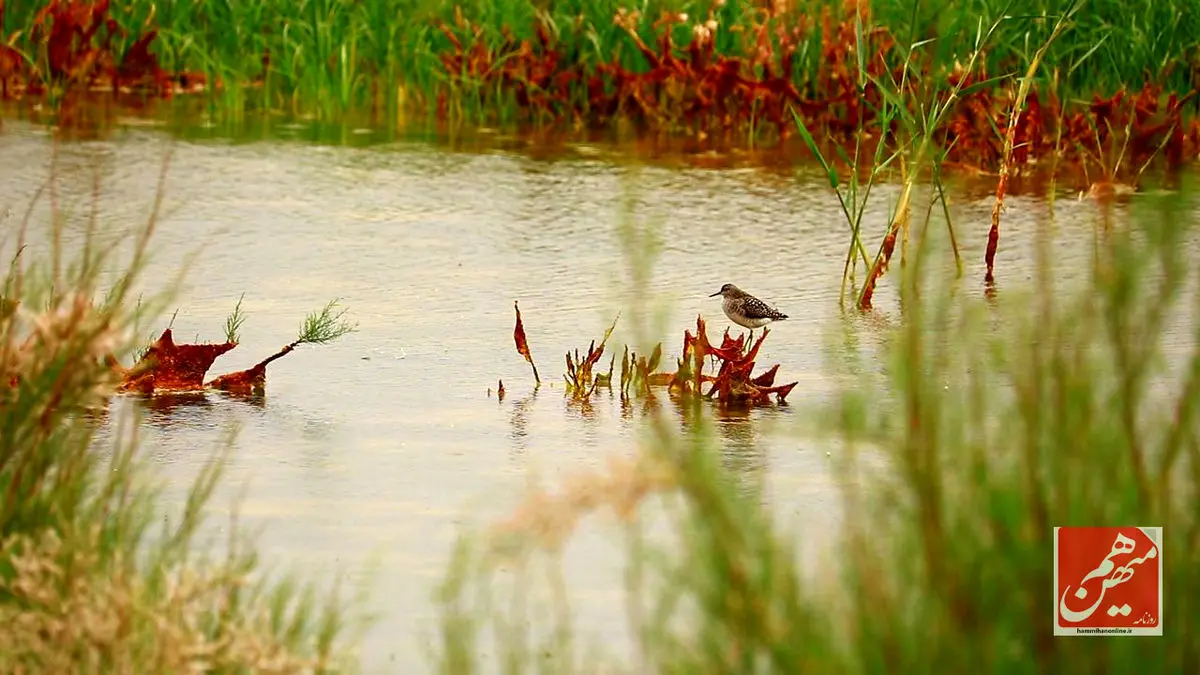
column 252, row 380
column 768, row 378
column 523, row 344
column 733, row 382
column 167, row 366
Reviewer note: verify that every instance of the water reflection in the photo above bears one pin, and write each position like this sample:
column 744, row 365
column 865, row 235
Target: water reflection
column 164, row 409
column 742, row 455
column 583, row 412
column 518, row 422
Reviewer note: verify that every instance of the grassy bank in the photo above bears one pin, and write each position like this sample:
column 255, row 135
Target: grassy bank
column 997, row 422
column 97, row 573
column 725, row 70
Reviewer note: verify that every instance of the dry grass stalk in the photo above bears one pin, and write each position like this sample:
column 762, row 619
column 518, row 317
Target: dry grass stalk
column 50, row 346
column 1010, row 134
column 545, row 520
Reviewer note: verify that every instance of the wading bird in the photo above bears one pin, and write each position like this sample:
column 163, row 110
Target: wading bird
column 746, row 310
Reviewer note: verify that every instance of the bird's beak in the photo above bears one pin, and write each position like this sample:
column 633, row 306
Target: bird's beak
column 715, row 294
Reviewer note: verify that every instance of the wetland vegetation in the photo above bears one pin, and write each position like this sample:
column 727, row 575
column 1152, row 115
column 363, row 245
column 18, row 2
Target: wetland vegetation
column 726, row 70
column 92, row 578
column 990, row 437
column 998, row 416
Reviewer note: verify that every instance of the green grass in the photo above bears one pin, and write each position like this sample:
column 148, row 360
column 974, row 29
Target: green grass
column 93, row 579
column 996, row 422
column 330, row 56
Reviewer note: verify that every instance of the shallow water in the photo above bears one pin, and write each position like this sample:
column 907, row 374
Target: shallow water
column 374, row 449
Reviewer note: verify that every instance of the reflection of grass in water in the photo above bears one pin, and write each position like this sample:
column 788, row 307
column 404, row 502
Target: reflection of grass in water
column 992, row 438
column 741, row 455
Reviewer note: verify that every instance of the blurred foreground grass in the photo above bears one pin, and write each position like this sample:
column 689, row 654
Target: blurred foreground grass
column 92, row 578
column 997, row 422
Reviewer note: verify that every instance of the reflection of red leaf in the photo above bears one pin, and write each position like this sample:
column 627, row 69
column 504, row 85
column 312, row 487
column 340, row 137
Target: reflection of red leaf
column 167, row 366
column 661, row 379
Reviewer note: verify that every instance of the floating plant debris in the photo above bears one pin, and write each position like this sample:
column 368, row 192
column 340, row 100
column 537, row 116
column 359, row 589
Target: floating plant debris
column 168, row 367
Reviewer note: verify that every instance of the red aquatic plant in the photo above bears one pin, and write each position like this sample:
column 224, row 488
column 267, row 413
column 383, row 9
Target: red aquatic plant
column 579, row 377
column 734, row 382
column 168, row 366
column 77, row 37
column 76, row 47
column 690, row 87
column 522, row 343
column 253, row 380
column 640, row 372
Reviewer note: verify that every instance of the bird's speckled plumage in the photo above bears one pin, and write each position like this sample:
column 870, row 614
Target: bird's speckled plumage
column 746, row 310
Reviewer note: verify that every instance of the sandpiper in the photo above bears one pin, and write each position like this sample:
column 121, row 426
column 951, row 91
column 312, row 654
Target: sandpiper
column 746, row 310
